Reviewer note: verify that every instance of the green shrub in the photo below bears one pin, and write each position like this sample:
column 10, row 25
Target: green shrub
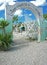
column 5, row 38
column 5, row 41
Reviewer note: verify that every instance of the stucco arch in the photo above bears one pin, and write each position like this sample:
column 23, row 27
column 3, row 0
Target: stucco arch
column 10, row 9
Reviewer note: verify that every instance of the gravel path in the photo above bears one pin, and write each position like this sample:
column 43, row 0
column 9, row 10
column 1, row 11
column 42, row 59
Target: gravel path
column 24, row 52
column 32, row 53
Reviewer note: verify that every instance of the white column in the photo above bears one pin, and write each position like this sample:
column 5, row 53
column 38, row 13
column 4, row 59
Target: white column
column 5, row 9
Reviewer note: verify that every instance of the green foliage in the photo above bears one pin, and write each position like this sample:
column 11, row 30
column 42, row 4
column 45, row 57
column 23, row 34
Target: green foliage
column 19, row 24
column 45, row 16
column 5, row 38
column 5, row 41
column 15, row 18
column 3, row 24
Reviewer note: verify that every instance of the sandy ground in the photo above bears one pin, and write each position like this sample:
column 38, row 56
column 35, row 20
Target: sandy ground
column 17, row 35
column 24, row 52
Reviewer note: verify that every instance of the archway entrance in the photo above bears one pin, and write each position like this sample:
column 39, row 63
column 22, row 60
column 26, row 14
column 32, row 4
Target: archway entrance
column 26, row 26
column 10, row 9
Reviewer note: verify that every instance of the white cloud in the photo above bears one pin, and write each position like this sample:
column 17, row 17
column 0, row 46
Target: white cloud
column 6, row 1
column 18, row 12
column 30, row 14
column 38, row 2
column 2, row 1
column 2, row 7
column 11, row 3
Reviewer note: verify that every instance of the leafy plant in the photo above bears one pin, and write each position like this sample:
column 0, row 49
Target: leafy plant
column 14, row 19
column 3, row 24
column 5, row 38
column 5, row 41
column 45, row 16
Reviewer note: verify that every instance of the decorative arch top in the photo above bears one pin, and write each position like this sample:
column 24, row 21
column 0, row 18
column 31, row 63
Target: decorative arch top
column 10, row 9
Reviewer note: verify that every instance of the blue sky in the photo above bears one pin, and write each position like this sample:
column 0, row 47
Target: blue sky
column 45, row 9
column 26, row 12
column 23, row 0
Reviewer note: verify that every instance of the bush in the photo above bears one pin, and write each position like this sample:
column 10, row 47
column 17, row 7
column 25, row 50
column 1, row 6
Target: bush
column 5, row 41
column 5, row 38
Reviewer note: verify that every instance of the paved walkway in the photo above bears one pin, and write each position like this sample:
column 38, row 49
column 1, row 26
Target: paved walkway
column 32, row 53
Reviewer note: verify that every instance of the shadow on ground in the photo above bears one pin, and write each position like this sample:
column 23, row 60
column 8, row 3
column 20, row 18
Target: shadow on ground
column 19, row 44
column 18, row 47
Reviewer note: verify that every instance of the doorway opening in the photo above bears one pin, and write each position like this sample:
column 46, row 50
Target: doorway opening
column 26, row 27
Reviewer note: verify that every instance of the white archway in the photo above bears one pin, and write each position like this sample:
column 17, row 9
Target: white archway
column 10, row 9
